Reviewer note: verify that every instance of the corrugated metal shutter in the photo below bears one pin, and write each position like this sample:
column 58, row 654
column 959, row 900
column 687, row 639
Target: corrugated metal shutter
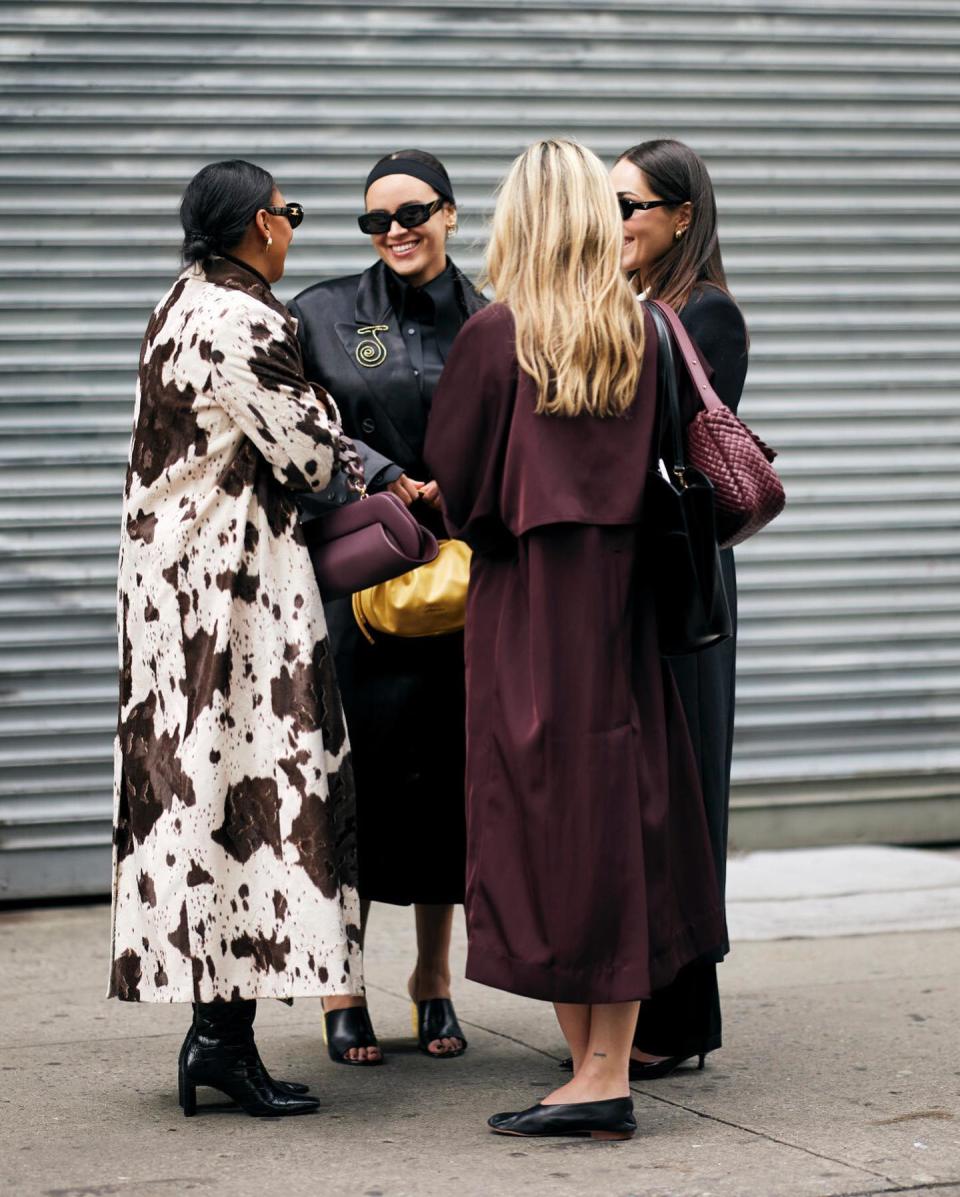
column 832, row 134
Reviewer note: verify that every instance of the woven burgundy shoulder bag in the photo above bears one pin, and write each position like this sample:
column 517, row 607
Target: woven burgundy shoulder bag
column 747, row 492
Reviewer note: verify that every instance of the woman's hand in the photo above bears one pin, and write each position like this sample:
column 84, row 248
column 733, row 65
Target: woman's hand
column 406, row 489
column 430, row 493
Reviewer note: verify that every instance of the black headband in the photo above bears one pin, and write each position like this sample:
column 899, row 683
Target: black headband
column 418, row 170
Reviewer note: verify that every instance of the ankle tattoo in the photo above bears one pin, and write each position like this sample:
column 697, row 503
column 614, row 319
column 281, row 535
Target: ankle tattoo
column 600, row 1055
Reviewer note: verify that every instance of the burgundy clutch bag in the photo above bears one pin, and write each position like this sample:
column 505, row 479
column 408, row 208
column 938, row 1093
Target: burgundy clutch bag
column 366, row 542
column 747, row 492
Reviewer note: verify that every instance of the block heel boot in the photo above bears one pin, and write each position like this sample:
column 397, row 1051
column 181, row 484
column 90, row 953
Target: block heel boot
column 219, row 1052
column 283, row 1086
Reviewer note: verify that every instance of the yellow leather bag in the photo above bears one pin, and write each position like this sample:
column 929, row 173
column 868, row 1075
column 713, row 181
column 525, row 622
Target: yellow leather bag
column 430, row 600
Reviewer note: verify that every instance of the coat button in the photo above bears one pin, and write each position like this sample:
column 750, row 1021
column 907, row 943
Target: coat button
column 367, row 425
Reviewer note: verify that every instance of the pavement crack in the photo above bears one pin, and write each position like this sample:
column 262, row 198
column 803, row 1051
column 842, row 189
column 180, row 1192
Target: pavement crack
column 930, row 1186
column 749, row 1130
column 690, row 1110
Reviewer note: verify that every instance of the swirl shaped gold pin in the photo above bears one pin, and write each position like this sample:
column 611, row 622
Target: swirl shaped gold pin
column 372, row 352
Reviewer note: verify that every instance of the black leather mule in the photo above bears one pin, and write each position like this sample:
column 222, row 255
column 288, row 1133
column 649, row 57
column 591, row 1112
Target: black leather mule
column 349, row 1028
column 435, row 1018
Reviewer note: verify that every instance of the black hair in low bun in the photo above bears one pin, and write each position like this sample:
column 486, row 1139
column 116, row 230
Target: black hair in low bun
column 218, row 205
column 196, row 247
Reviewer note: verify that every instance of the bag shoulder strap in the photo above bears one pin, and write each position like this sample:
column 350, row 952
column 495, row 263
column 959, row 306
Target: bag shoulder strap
column 669, row 436
column 696, row 372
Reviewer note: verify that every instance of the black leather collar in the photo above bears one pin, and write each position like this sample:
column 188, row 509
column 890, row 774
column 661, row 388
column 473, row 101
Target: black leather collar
column 375, row 303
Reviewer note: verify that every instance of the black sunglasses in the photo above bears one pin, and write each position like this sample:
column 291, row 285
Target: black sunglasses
column 293, row 213
column 628, row 206
column 408, row 216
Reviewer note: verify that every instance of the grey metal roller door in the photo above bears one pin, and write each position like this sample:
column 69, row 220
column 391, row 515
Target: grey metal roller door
column 832, row 134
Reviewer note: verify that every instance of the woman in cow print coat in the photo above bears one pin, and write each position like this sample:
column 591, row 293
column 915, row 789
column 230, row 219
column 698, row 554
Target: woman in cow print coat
column 234, row 847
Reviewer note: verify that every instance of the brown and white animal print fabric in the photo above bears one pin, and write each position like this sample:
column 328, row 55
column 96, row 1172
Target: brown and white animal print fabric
column 234, row 844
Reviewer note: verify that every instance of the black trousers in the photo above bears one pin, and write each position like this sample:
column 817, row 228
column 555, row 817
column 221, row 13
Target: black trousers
column 682, row 1019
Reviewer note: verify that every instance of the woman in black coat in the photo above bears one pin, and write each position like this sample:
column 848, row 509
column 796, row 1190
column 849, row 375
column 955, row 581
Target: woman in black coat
column 672, row 251
column 378, row 341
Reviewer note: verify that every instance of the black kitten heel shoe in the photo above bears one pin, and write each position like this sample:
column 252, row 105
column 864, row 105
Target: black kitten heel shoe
column 220, row 1053
column 283, row 1086
column 435, row 1018
column 652, row 1071
column 346, row 1029
column 611, row 1119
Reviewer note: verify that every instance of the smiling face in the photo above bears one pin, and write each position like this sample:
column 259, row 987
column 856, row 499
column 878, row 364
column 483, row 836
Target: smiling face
column 647, row 236
column 418, row 254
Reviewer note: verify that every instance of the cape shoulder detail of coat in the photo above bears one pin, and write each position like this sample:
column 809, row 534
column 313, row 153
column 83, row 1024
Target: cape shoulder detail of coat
column 504, row 470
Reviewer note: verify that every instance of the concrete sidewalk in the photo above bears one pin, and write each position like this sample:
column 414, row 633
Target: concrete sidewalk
column 841, row 1075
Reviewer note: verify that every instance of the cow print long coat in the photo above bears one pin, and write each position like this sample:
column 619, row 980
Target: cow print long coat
column 234, row 844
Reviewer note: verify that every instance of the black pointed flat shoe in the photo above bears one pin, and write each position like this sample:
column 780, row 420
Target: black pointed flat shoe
column 346, row 1029
column 652, row 1071
column 435, row 1018
column 612, row 1119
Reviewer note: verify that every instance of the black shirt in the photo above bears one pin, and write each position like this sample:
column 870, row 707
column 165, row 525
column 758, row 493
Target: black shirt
column 430, row 319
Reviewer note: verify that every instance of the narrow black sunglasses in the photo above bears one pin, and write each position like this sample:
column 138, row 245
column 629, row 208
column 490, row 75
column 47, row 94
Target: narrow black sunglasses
column 628, row 206
column 293, row 213
column 408, row 216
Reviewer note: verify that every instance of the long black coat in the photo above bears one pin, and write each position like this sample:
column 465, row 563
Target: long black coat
column 684, row 1018
column 404, row 699
column 706, row 680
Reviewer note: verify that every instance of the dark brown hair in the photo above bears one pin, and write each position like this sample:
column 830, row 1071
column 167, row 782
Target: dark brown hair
column 675, row 173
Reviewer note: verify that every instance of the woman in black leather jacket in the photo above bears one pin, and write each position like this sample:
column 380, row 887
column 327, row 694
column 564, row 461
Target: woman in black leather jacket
column 377, row 341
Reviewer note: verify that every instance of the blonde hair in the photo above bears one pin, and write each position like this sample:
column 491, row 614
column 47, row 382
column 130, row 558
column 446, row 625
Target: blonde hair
column 554, row 260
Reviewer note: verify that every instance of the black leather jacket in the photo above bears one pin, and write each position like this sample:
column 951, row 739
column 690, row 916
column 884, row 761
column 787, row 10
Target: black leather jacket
column 354, row 347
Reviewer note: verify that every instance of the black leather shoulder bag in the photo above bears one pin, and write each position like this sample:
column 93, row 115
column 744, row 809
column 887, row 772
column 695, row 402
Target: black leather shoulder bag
column 680, row 526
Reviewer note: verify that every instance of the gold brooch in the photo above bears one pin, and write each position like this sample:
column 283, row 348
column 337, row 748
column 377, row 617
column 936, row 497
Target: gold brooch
column 373, row 352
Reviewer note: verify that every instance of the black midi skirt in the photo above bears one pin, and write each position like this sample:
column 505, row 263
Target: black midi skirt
column 405, row 710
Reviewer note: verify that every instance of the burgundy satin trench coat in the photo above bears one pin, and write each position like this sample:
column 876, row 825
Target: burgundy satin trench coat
column 589, row 871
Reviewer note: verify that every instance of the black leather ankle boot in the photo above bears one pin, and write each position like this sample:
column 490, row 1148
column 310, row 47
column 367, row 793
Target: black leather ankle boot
column 220, row 1052
column 283, row 1086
